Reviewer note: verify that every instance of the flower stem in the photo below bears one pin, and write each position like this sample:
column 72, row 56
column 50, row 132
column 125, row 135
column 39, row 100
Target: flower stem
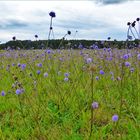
column 91, row 125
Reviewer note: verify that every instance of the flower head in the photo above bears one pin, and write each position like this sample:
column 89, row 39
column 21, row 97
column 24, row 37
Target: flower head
column 23, row 66
column 115, row 118
column 125, row 56
column 45, row 74
column 18, row 64
column 89, row 60
column 132, row 69
column 138, row 19
column 14, row 38
column 102, row 72
column 138, row 56
column 109, row 38
column 18, row 91
column 66, row 74
column 97, row 78
column 38, row 72
column 127, row 64
column 2, row 93
column 128, row 23
column 36, row 36
column 95, row 105
column 66, row 79
column 39, row 65
column 52, row 14
column 69, row 32
column 133, row 24
column 48, row 51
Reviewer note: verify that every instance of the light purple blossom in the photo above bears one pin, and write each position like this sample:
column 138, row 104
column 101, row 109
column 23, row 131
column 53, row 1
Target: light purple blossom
column 23, row 66
column 39, row 65
column 132, row 69
column 18, row 64
column 127, row 64
column 102, row 72
column 66, row 79
column 95, row 105
column 97, row 78
column 2, row 93
column 48, row 51
column 45, row 74
column 38, row 72
column 115, row 118
column 125, row 56
column 18, row 91
column 138, row 56
column 89, row 60
column 13, row 64
column 66, row 74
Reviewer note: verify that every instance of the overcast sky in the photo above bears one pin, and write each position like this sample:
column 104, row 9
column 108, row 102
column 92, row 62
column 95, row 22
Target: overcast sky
column 96, row 19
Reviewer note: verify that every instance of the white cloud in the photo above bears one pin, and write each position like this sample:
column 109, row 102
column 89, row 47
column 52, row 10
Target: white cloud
column 93, row 21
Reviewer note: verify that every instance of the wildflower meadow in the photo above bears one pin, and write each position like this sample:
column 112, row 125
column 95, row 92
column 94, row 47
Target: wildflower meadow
column 70, row 94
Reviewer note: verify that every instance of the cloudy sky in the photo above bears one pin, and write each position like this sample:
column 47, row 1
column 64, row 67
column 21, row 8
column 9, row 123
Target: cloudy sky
column 96, row 19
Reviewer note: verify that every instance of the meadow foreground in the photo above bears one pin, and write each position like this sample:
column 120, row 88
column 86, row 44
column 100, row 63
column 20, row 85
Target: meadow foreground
column 70, row 94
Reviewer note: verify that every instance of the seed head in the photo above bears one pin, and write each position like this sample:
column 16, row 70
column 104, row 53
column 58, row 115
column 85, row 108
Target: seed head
column 52, row 14
column 69, row 32
column 138, row 19
column 93, row 68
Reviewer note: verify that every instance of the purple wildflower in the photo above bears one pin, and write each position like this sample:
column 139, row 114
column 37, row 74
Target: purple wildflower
column 89, row 60
column 22, row 90
column 13, row 64
column 115, row 118
column 112, row 77
column 125, row 56
column 66, row 79
column 48, row 51
column 18, row 91
column 61, row 59
column 2, row 93
column 45, row 74
column 132, row 69
column 23, row 66
column 39, row 65
column 97, row 78
column 18, row 64
column 127, row 64
column 138, row 56
column 102, row 72
column 95, row 105
column 111, row 73
column 66, row 74
column 109, row 49
column 38, row 72
column 80, row 46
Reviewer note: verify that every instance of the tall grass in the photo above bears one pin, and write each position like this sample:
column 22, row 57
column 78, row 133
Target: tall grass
column 56, row 108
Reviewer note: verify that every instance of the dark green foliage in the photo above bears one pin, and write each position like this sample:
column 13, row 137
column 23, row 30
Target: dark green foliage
column 53, row 44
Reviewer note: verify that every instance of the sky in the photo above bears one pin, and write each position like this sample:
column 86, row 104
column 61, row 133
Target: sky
column 94, row 20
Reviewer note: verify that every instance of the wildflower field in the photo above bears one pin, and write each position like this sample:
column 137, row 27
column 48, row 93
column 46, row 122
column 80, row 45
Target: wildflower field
column 83, row 94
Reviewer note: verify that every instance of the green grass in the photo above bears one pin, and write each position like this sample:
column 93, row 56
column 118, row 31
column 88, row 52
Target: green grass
column 53, row 109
